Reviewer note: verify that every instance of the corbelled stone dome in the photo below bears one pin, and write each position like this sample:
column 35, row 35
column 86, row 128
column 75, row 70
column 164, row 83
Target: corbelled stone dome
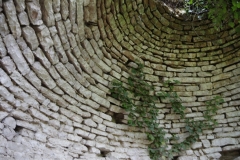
column 58, row 58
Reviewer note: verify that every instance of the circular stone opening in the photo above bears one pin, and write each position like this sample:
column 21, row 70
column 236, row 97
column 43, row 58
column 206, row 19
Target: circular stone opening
column 181, row 8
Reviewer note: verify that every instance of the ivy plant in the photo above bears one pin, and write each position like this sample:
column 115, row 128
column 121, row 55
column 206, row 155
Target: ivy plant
column 221, row 12
column 139, row 99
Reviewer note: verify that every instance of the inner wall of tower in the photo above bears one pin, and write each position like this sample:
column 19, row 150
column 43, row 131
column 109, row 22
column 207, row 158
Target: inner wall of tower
column 59, row 57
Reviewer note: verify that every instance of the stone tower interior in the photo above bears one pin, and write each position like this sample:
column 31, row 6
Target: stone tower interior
column 58, row 58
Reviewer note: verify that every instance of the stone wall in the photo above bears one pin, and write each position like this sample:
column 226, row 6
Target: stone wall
column 58, row 58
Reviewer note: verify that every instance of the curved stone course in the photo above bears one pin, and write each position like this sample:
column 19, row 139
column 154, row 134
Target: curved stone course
column 58, row 58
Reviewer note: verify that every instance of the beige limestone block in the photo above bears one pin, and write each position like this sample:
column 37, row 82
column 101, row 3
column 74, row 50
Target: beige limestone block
column 52, row 56
column 188, row 158
column 4, row 79
column 10, row 122
column 8, row 133
column 38, row 114
column 72, row 40
column 43, row 75
column 28, row 54
column 78, row 148
column 97, row 119
column 100, row 79
column 3, row 115
column 80, row 19
column 73, row 66
column 193, row 69
column 98, row 132
column 92, row 104
column 214, row 155
column 227, row 148
column 221, row 76
column 62, row 70
column 90, row 123
column 85, row 66
column 82, row 133
column 6, row 94
column 16, row 54
column 72, row 11
column 5, row 106
column 61, row 142
column 45, row 39
column 64, row 9
column 56, row 5
column 11, row 15
column 68, row 26
column 30, row 37
column 101, row 127
column 47, row 12
column 3, row 51
column 212, row 150
column 233, row 114
column 20, row 5
column 34, row 13
column 74, row 138
column 224, row 141
column 87, row 45
column 62, row 32
column 104, row 147
column 75, row 110
column 71, row 115
column 97, row 91
column 21, row 115
column 3, row 25
column 208, row 68
column 23, row 18
column 85, row 92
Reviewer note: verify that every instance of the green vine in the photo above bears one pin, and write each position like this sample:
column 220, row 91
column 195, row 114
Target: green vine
column 139, row 100
column 221, row 12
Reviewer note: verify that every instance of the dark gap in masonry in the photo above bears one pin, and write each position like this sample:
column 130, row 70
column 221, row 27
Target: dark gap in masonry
column 230, row 155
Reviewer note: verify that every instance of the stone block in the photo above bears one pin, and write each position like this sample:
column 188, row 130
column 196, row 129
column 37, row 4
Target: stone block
column 74, row 138
column 206, row 143
column 3, row 115
column 34, row 13
column 59, row 142
column 16, row 54
column 23, row 19
column 11, row 15
column 47, row 12
column 41, row 137
column 10, row 122
column 90, row 123
column 233, row 114
column 224, row 141
column 221, row 76
column 4, row 79
column 104, row 147
column 44, row 75
column 35, row 113
column 3, row 27
column 208, row 68
column 30, row 37
column 196, row 145
column 27, row 125
column 212, row 150
column 187, row 158
column 214, row 155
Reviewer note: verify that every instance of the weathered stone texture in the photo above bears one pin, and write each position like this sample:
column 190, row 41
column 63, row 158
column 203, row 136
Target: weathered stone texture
column 58, row 58
column 30, row 37
column 11, row 15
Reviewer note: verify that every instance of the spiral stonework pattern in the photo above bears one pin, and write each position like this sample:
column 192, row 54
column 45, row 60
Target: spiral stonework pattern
column 58, row 58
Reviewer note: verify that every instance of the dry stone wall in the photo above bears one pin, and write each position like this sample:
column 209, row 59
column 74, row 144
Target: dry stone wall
column 58, row 58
